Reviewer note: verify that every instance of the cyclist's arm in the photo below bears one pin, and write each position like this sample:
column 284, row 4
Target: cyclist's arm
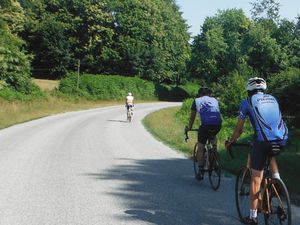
column 237, row 131
column 192, row 119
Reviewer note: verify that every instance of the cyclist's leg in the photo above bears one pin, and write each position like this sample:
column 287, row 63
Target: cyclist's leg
column 202, row 139
column 274, row 168
column 213, row 131
column 255, row 188
column 258, row 160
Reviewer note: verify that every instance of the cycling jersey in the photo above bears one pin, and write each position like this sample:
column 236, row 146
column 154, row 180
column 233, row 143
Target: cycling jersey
column 208, row 109
column 265, row 116
column 129, row 100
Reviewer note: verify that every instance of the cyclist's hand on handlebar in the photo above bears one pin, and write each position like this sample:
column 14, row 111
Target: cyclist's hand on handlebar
column 186, row 129
column 228, row 145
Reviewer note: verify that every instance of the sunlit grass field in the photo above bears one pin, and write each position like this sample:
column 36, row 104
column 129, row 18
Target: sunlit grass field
column 165, row 127
column 17, row 111
column 46, row 85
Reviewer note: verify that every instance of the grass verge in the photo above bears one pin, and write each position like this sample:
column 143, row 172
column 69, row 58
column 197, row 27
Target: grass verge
column 167, row 128
column 14, row 112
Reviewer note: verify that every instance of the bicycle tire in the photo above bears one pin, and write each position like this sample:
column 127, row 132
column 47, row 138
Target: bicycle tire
column 129, row 116
column 195, row 161
column 242, row 193
column 280, row 213
column 214, row 171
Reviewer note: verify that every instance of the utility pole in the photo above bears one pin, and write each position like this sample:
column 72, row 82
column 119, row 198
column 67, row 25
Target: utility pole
column 78, row 72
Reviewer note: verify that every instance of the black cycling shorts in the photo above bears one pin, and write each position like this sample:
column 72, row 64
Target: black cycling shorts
column 206, row 131
column 259, row 154
column 129, row 106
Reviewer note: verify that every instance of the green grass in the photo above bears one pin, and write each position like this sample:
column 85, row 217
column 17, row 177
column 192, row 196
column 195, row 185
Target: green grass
column 14, row 112
column 165, row 126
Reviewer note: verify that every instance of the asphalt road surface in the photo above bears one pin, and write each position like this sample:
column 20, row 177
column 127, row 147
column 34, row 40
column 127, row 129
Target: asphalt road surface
column 93, row 168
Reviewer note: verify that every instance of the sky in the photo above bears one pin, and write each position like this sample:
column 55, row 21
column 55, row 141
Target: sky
column 195, row 11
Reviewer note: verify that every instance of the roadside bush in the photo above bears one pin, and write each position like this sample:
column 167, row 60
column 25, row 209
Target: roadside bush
column 116, row 87
column 107, row 87
column 230, row 91
column 31, row 92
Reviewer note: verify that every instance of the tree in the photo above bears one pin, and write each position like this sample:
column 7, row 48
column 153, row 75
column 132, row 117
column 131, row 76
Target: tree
column 52, row 49
column 81, row 30
column 13, row 14
column 265, row 10
column 216, row 51
column 264, row 54
column 14, row 63
column 151, row 39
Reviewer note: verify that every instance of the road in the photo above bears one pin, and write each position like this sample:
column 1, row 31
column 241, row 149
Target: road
column 93, row 168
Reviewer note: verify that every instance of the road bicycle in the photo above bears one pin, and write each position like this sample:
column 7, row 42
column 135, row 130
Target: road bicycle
column 274, row 201
column 129, row 113
column 212, row 164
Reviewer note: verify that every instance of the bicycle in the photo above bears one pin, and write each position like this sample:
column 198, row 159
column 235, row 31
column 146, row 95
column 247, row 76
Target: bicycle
column 212, row 163
column 129, row 113
column 274, row 201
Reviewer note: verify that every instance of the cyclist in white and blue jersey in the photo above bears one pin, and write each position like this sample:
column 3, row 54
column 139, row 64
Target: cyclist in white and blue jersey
column 208, row 110
column 269, row 128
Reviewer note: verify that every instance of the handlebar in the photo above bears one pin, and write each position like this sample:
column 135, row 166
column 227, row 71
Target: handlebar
column 186, row 133
column 229, row 149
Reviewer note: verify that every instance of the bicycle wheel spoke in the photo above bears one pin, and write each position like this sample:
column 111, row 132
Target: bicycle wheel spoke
column 280, row 211
column 214, row 170
column 242, row 193
column 195, row 159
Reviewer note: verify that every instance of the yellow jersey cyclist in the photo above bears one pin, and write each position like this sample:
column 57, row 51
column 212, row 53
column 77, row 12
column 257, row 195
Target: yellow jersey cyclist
column 207, row 108
column 269, row 128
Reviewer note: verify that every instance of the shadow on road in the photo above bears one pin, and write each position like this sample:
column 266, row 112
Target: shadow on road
column 164, row 192
column 121, row 121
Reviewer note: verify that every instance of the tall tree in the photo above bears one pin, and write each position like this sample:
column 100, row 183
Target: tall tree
column 264, row 54
column 151, row 38
column 13, row 14
column 265, row 10
column 216, row 51
column 14, row 62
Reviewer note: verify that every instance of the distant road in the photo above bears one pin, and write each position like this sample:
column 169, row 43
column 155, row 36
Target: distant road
column 93, row 168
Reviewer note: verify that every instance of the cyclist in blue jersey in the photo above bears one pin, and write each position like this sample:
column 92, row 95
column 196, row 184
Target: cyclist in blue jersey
column 208, row 110
column 269, row 128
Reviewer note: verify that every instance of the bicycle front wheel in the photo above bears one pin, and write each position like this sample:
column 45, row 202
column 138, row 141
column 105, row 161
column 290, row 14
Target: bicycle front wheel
column 242, row 193
column 195, row 160
column 280, row 206
column 214, row 171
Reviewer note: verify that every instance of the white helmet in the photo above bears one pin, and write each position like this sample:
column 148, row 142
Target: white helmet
column 256, row 83
column 129, row 94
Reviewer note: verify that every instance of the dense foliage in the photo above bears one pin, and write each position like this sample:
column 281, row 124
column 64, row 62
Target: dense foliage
column 148, row 39
column 145, row 38
column 116, row 87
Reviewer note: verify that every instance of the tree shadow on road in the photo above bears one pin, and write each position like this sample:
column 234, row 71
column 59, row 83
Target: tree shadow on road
column 164, row 192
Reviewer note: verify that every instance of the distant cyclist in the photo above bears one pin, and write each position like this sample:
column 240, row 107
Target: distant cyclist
column 129, row 101
column 269, row 128
column 208, row 110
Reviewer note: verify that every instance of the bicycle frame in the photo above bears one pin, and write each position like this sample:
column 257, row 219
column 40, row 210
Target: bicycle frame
column 274, row 199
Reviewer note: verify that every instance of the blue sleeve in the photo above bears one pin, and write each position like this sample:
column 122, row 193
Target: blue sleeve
column 194, row 108
column 243, row 110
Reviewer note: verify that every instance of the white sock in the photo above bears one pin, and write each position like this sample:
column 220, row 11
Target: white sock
column 276, row 175
column 253, row 213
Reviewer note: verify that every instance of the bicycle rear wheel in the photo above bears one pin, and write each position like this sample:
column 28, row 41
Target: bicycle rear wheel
column 214, row 171
column 242, row 193
column 129, row 116
column 279, row 203
column 195, row 160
